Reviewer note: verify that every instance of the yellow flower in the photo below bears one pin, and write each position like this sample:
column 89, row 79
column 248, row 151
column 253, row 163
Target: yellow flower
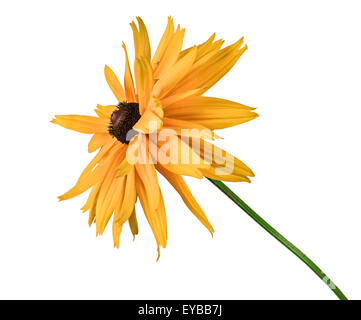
column 159, row 124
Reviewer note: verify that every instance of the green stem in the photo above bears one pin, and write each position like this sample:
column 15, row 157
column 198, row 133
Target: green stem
column 274, row 233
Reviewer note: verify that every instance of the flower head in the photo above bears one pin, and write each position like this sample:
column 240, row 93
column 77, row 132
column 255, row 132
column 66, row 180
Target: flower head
column 160, row 123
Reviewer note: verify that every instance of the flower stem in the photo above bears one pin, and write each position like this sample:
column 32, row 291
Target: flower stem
column 273, row 232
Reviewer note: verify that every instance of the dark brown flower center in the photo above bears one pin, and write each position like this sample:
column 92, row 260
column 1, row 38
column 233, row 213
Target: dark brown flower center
column 123, row 120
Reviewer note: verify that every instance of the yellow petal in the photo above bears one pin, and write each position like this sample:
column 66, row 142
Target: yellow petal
column 177, row 157
column 148, row 123
column 205, row 48
column 91, row 198
column 184, row 170
column 155, row 213
column 175, row 74
column 103, row 153
column 106, row 193
column 129, row 199
column 128, row 79
column 148, row 176
column 105, row 111
column 91, row 176
column 141, row 40
column 114, row 84
column 83, row 124
column 102, row 198
column 163, row 44
column 170, row 100
column 200, row 47
column 112, row 197
column 222, row 163
column 223, row 175
column 155, row 106
column 188, row 128
column 117, row 229
column 208, row 73
column 213, row 113
column 98, row 140
column 123, row 168
column 133, row 224
column 179, row 184
column 171, row 53
column 144, row 81
column 101, row 113
column 206, row 53
column 180, row 150
column 91, row 203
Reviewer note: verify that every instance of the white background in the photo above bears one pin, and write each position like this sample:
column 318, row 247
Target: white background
column 302, row 72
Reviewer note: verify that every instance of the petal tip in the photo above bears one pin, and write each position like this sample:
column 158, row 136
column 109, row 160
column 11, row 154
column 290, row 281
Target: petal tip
column 158, row 250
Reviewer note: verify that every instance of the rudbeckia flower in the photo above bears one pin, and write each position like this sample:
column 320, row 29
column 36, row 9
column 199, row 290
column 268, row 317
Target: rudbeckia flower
column 160, row 113
column 162, row 122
